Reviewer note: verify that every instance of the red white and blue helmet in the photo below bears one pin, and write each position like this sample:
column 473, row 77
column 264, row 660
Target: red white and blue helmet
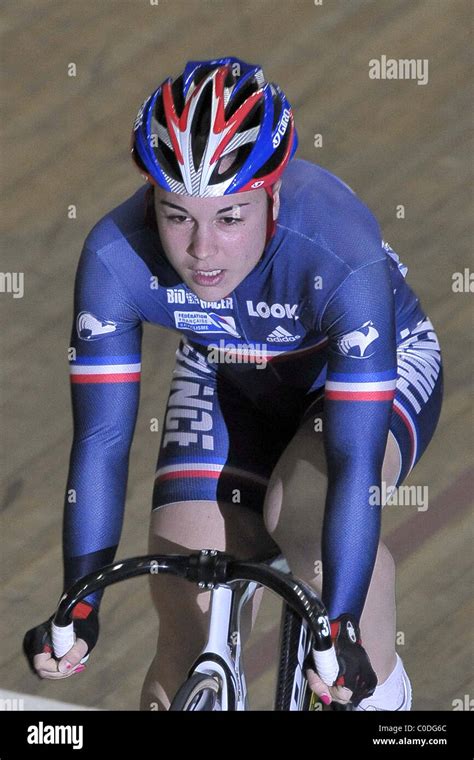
column 218, row 128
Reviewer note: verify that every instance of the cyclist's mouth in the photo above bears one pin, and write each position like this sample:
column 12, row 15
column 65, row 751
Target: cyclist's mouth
column 207, row 277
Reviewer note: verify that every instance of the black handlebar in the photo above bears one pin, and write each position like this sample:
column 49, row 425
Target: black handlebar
column 207, row 568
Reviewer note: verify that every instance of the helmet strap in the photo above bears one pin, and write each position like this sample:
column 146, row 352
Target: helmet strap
column 271, row 223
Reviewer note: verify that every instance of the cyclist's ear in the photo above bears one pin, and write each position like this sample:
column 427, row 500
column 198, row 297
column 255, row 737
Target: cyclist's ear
column 276, row 199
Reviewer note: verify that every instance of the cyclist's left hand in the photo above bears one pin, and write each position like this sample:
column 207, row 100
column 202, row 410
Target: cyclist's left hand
column 356, row 679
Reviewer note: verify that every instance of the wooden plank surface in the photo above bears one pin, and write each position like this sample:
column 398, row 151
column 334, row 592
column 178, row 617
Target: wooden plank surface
column 65, row 141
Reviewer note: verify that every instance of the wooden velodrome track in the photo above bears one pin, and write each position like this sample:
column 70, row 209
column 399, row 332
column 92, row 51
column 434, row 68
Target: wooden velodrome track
column 65, row 141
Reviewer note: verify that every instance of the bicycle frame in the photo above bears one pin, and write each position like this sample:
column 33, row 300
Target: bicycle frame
column 224, row 640
column 222, row 652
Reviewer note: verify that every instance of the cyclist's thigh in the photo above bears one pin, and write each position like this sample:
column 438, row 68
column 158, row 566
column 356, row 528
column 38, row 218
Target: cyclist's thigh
column 186, row 526
column 216, row 444
column 299, row 482
column 296, row 494
column 294, row 502
column 190, row 525
column 216, row 456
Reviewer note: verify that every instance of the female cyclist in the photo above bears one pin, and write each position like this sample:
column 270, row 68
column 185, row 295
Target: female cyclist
column 308, row 379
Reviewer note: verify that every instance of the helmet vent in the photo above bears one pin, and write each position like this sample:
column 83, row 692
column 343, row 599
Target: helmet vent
column 225, row 171
column 167, row 158
column 201, row 124
column 177, row 93
column 227, row 162
column 240, row 97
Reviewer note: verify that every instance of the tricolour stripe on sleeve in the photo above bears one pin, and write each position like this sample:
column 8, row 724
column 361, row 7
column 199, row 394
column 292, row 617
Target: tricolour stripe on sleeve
column 356, row 386
column 106, row 369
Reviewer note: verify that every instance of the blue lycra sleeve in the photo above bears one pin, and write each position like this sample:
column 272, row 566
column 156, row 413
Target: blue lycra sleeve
column 360, row 323
column 105, row 372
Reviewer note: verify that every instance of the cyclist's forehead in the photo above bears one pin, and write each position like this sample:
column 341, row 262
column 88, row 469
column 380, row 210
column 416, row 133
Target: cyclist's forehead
column 233, row 205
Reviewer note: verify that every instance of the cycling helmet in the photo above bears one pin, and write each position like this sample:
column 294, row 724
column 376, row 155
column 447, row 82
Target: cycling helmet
column 218, row 128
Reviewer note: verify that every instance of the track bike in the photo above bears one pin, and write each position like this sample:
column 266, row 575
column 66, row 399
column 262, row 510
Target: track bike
column 216, row 680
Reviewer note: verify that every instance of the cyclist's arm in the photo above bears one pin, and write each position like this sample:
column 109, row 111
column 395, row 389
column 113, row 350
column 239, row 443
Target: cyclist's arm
column 105, row 371
column 359, row 393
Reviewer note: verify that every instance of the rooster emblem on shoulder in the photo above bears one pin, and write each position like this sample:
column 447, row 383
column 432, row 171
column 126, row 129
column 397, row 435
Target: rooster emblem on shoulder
column 356, row 342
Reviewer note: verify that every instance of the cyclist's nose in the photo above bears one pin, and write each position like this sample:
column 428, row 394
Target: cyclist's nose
column 203, row 244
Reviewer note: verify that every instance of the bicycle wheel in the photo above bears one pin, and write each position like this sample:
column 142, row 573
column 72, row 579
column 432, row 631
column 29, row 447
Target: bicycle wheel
column 200, row 693
column 292, row 691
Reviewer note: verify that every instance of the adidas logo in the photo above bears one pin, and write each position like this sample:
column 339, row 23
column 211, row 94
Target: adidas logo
column 280, row 335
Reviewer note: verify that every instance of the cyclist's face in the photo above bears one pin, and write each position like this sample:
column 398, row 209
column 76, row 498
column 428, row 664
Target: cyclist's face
column 213, row 243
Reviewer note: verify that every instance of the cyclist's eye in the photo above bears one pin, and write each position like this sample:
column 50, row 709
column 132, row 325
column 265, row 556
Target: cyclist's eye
column 229, row 220
column 177, row 218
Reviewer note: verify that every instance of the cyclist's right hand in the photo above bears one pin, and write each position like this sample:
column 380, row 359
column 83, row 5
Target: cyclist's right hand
column 38, row 646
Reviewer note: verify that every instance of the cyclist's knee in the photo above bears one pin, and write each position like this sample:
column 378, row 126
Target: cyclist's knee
column 273, row 504
column 384, row 563
column 392, row 461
